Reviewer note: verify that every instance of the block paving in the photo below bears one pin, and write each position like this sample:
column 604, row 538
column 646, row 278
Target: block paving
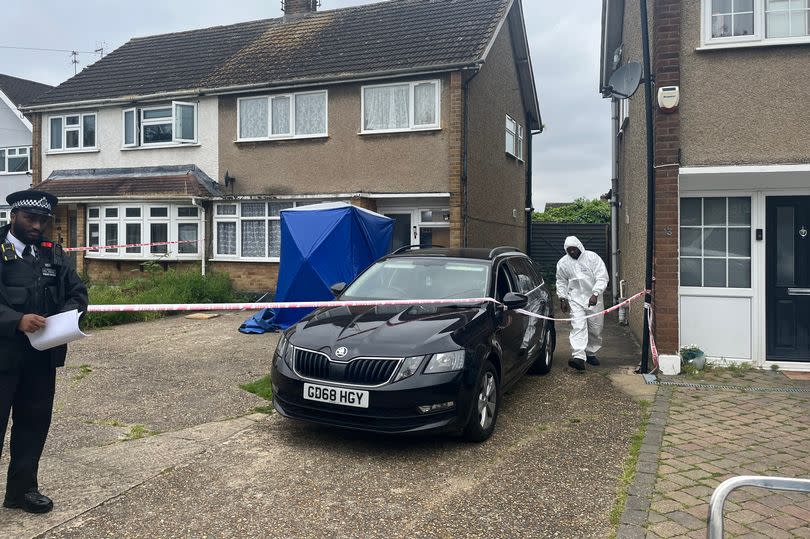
column 712, row 435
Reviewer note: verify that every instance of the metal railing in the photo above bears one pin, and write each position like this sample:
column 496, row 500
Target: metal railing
column 718, row 500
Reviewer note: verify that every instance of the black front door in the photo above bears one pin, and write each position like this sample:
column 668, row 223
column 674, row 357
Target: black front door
column 788, row 278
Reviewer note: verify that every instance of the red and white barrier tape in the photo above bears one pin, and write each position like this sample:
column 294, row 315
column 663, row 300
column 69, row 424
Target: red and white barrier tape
column 173, row 307
column 653, row 347
column 127, row 245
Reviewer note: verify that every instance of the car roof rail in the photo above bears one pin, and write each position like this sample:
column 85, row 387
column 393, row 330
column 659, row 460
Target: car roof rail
column 412, row 247
column 503, row 250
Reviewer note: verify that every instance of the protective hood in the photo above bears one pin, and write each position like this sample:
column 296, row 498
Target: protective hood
column 573, row 241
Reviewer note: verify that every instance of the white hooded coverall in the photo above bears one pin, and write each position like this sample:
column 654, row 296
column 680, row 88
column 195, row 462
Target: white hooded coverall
column 577, row 281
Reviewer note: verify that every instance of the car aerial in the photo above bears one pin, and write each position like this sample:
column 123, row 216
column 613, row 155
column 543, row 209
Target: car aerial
column 418, row 368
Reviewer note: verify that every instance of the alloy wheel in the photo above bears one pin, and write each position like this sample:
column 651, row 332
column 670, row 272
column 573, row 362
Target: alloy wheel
column 487, row 400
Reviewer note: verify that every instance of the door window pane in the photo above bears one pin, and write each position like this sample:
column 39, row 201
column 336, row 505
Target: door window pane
column 739, row 242
column 739, row 273
column 226, row 238
column 714, row 272
column 739, row 211
column 714, row 242
column 187, row 232
column 785, row 246
column 691, row 210
column 691, row 242
column 714, row 212
column 402, row 230
column 159, row 232
column 691, row 272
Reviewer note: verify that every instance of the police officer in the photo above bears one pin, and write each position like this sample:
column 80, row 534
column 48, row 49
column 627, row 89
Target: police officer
column 36, row 281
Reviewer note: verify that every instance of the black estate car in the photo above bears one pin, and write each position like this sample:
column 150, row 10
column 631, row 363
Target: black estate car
column 412, row 368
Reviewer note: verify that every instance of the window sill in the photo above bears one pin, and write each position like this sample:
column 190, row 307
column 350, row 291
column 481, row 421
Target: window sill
column 399, row 131
column 275, row 260
column 159, row 147
column 278, row 139
column 750, row 44
column 66, row 152
column 23, row 173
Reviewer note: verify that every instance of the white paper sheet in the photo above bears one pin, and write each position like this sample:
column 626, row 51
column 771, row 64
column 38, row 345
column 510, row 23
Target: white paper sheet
column 59, row 329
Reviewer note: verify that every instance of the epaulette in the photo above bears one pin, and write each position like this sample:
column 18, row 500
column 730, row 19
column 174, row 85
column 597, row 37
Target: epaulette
column 8, row 252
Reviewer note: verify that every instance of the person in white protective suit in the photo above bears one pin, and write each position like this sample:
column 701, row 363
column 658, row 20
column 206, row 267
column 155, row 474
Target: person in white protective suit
column 581, row 279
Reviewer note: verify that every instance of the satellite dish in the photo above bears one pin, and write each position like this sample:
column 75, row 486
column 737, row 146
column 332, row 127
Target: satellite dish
column 625, row 81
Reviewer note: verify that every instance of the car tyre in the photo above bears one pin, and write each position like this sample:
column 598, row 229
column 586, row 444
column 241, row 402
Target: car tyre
column 542, row 365
column 486, row 403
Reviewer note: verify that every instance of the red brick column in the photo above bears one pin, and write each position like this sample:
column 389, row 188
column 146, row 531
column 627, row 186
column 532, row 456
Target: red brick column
column 36, row 148
column 455, row 134
column 666, row 66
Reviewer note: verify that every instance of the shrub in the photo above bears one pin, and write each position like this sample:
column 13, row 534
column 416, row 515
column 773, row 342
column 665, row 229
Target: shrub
column 165, row 287
column 581, row 210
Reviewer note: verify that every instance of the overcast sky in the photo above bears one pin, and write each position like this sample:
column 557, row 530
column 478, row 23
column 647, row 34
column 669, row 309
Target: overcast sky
column 572, row 155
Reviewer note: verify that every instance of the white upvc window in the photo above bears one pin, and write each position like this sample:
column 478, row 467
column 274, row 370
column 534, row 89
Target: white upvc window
column 129, row 224
column 15, row 160
column 730, row 23
column 250, row 230
column 283, row 116
column 715, row 242
column 164, row 125
column 624, row 114
column 515, row 138
column 4, row 217
column 406, row 106
column 72, row 132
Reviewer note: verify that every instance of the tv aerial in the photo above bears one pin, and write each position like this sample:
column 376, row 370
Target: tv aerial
column 624, row 82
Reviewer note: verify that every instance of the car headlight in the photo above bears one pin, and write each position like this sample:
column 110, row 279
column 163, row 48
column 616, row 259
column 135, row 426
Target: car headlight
column 409, row 367
column 285, row 350
column 446, row 362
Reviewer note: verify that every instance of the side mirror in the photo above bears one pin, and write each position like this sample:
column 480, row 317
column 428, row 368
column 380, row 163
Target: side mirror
column 337, row 289
column 515, row 301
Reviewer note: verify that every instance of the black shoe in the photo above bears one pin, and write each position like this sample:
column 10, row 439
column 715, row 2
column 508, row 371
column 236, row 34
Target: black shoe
column 30, row 502
column 576, row 363
column 593, row 360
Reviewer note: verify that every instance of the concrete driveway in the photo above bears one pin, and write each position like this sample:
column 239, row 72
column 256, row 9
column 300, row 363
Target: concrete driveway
column 215, row 469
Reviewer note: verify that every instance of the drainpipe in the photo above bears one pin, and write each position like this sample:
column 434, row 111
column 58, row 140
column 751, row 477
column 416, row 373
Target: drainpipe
column 529, row 209
column 202, row 234
column 614, row 200
column 465, row 153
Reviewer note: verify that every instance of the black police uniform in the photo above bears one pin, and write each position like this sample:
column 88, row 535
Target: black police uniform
column 45, row 285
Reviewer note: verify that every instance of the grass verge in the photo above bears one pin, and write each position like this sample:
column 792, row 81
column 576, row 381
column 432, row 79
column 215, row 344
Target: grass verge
column 629, row 468
column 136, row 432
column 263, row 388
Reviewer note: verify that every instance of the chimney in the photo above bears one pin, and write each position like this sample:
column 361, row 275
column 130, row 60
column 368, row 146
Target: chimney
column 299, row 7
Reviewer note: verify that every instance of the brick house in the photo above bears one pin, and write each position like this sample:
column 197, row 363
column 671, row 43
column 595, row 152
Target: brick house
column 417, row 109
column 732, row 172
column 15, row 137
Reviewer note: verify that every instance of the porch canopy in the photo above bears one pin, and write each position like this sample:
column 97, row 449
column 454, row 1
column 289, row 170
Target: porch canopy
column 321, row 244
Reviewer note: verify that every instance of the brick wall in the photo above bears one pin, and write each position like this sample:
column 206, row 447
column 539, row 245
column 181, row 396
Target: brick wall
column 365, row 203
column 249, row 276
column 455, row 135
column 666, row 36
column 36, row 148
column 116, row 270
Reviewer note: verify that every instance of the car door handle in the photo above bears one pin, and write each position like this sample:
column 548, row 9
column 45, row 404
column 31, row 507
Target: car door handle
column 798, row 291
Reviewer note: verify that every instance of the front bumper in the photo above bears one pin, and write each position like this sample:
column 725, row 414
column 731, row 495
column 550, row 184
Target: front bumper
column 393, row 408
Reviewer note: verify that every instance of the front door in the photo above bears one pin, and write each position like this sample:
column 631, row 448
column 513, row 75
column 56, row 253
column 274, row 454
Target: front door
column 788, row 278
column 402, row 230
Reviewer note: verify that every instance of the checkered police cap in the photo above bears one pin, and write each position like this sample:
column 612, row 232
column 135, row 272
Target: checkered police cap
column 32, row 201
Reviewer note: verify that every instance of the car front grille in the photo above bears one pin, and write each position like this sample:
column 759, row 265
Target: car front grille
column 360, row 371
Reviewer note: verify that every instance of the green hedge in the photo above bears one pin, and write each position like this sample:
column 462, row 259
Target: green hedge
column 156, row 287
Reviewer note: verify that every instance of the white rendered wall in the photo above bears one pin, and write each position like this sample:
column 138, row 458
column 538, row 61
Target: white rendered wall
column 109, row 141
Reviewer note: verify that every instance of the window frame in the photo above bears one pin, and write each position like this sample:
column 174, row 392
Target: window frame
column 519, row 137
column 145, row 220
column 758, row 38
column 4, row 171
column 5, row 217
column 750, row 227
column 412, row 126
column 170, row 120
column 79, row 128
column 238, row 218
column 291, row 134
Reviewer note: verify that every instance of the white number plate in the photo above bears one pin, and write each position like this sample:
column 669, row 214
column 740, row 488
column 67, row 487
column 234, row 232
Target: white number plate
column 336, row 395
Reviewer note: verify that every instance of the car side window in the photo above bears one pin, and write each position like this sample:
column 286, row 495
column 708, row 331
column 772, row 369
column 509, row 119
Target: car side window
column 522, row 271
column 503, row 285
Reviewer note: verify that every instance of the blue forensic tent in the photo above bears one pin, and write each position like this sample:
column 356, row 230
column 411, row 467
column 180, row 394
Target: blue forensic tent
column 321, row 244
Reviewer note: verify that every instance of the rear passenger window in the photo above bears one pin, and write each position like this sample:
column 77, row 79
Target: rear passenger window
column 527, row 279
column 504, row 284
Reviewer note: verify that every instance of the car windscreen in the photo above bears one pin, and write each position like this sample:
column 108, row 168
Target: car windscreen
column 421, row 278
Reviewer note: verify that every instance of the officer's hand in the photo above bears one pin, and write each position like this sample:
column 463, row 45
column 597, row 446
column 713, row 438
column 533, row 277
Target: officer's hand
column 30, row 323
column 564, row 305
column 594, row 300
